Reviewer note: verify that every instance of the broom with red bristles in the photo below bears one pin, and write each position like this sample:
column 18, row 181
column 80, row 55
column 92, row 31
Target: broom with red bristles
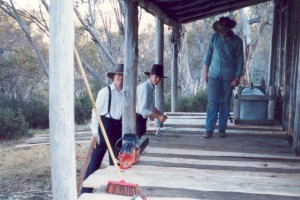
column 114, row 187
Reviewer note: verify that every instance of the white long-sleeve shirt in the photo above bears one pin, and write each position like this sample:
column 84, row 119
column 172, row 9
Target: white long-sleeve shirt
column 102, row 106
column 144, row 98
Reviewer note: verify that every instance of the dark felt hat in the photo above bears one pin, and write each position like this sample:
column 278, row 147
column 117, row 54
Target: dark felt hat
column 116, row 69
column 157, row 70
column 224, row 24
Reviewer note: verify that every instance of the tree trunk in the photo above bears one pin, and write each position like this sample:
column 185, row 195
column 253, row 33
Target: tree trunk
column 188, row 84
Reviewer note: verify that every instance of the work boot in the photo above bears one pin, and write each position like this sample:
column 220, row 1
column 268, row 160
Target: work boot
column 207, row 134
column 222, row 134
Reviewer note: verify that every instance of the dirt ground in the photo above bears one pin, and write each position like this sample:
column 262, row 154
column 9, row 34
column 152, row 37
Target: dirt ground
column 25, row 173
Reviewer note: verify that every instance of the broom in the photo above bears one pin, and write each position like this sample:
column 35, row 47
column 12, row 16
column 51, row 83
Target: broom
column 114, row 187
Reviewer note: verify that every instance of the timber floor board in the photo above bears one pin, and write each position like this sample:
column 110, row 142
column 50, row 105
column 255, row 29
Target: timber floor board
column 252, row 162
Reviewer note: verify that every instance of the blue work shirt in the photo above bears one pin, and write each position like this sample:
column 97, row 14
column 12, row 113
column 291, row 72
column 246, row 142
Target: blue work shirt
column 224, row 57
column 144, row 100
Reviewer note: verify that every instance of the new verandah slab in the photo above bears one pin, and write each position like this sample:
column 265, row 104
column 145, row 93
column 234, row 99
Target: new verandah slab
column 173, row 122
column 187, row 130
column 267, row 165
column 198, row 179
column 100, row 196
column 211, row 153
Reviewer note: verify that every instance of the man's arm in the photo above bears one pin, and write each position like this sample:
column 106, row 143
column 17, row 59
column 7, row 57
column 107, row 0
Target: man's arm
column 159, row 115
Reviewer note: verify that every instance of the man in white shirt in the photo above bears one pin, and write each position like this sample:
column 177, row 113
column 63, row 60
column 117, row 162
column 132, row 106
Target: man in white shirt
column 145, row 101
column 109, row 104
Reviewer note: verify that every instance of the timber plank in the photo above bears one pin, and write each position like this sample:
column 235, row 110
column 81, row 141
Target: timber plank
column 201, row 123
column 227, row 163
column 211, row 153
column 187, row 130
column 99, row 196
column 198, row 179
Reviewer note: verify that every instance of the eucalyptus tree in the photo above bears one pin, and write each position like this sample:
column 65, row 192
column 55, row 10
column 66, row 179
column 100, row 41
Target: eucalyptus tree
column 10, row 9
column 19, row 72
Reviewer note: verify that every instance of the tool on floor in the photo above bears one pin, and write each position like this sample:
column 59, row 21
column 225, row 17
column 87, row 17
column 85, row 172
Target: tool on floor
column 114, row 187
column 160, row 125
column 139, row 197
column 131, row 150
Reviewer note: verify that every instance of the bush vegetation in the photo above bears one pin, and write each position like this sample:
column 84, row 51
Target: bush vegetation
column 196, row 103
column 17, row 115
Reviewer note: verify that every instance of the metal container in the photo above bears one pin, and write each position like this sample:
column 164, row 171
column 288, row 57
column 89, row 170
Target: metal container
column 254, row 109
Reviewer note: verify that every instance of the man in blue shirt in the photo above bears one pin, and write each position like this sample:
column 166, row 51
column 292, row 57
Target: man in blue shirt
column 223, row 65
column 145, row 101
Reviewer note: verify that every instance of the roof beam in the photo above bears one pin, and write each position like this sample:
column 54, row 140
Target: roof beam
column 208, row 11
column 156, row 11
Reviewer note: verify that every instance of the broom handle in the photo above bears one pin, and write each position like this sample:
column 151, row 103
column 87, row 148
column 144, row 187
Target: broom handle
column 97, row 114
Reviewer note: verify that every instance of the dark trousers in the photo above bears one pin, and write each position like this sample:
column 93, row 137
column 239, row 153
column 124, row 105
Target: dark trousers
column 114, row 132
column 141, row 125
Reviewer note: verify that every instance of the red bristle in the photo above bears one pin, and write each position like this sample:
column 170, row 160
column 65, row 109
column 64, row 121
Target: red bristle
column 122, row 188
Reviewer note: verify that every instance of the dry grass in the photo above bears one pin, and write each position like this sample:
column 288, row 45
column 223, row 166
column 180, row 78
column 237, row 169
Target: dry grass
column 33, row 161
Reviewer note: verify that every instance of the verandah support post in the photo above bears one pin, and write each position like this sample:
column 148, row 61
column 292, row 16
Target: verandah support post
column 130, row 67
column 61, row 100
column 159, row 59
column 296, row 134
column 273, row 66
column 174, row 69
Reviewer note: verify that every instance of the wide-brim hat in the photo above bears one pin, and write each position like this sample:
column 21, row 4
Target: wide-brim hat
column 116, row 69
column 224, row 24
column 157, row 70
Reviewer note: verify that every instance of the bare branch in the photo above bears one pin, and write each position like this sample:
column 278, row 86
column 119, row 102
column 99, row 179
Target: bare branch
column 12, row 11
column 94, row 34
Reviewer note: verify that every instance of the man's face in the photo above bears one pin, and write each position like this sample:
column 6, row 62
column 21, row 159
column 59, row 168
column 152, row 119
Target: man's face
column 118, row 80
column 154, row 79
column 225, row 33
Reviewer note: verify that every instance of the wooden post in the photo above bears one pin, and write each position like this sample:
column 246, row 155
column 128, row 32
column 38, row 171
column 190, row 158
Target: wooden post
column 174, row 69
column 274, row 45
column 271, row 103
column 130, row 67
column 159, row 47
column 237, row 104
column 61, row 100
column 296, row 133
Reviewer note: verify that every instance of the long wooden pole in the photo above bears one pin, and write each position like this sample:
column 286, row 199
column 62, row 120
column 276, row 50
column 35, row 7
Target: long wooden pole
column 130, row 67
column 61, row 100
column 159, row 59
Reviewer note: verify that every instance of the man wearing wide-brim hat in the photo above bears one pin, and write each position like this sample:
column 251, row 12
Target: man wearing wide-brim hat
column 223, row 65
column 145, row 100
column 109, row 104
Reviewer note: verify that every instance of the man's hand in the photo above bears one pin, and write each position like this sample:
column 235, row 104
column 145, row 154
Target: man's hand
column 235, row 82
column 97, row 137
column 162, row 118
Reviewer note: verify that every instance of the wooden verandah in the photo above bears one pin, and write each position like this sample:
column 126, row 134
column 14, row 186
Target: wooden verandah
column 284, row 73
column 252, row 162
